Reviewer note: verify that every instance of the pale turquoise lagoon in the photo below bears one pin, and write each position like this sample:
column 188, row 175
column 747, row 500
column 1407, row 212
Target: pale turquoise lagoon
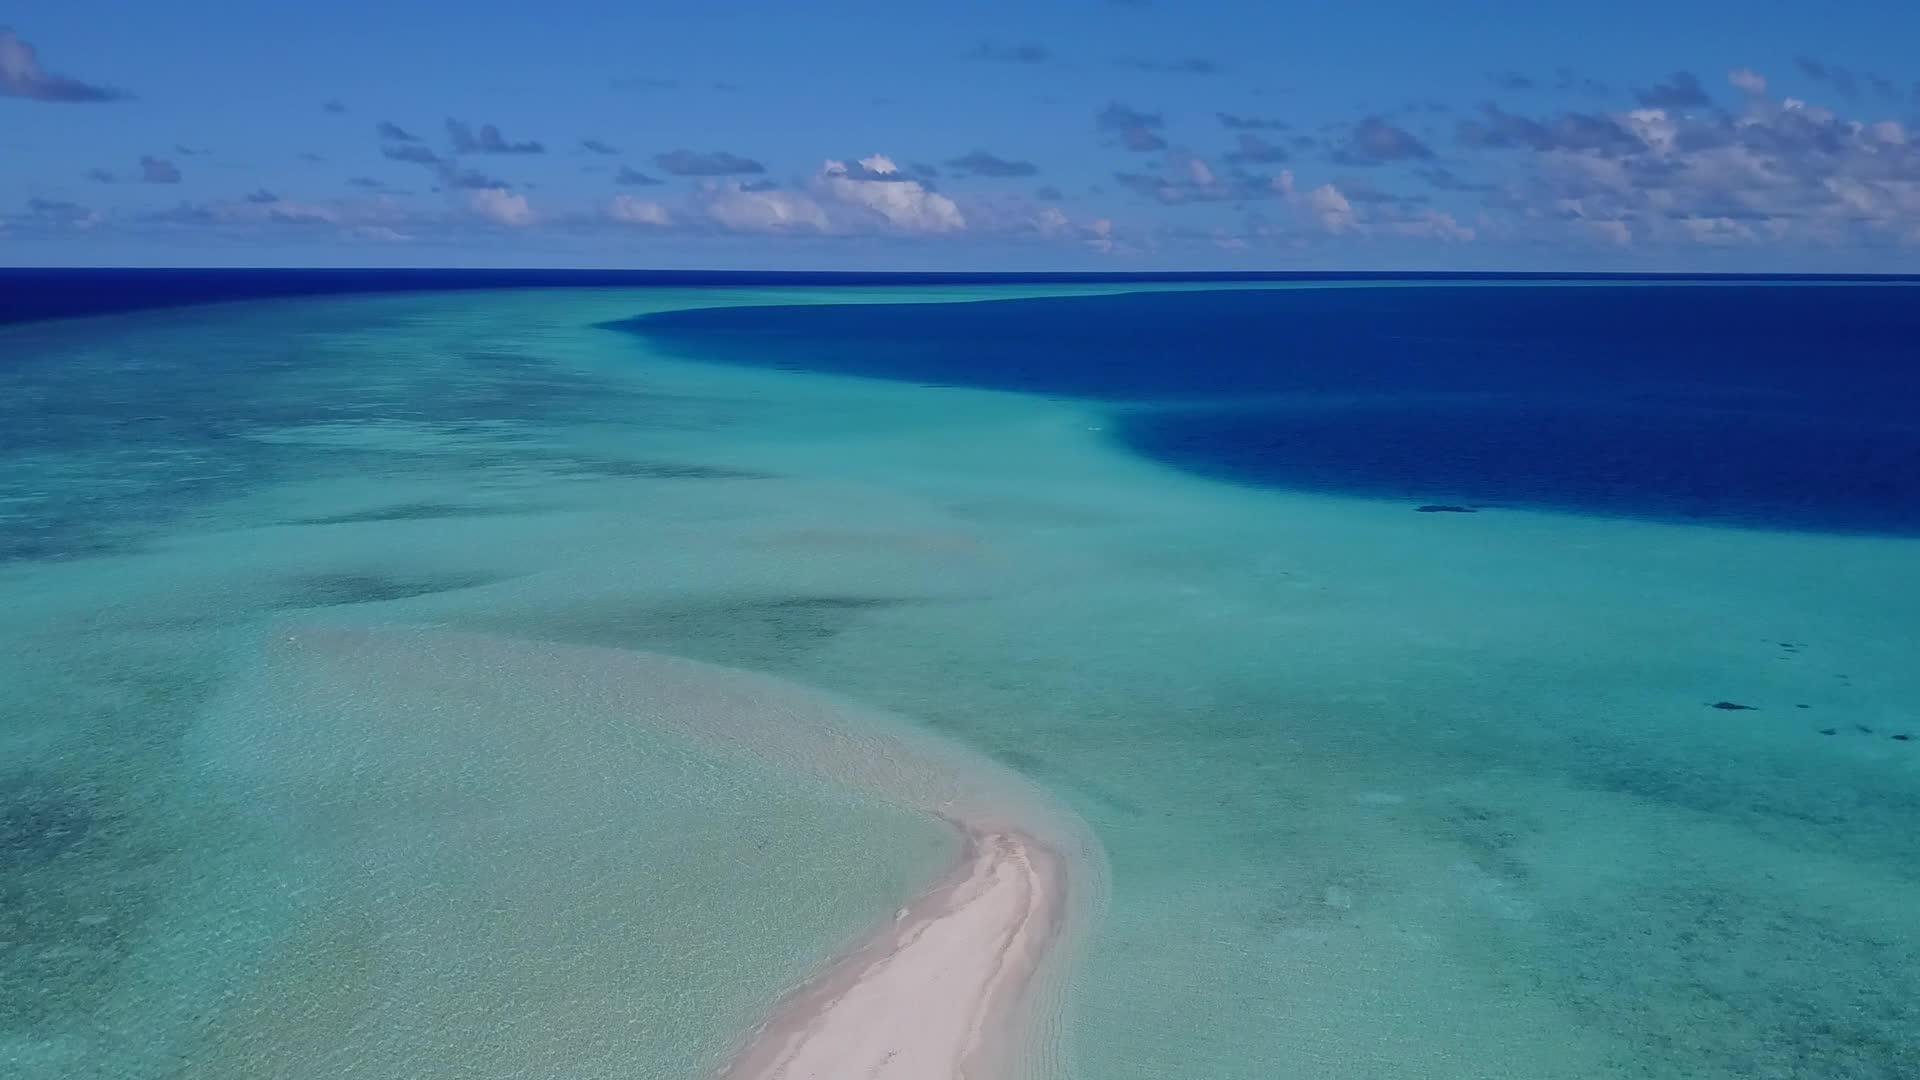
column 1380, row 794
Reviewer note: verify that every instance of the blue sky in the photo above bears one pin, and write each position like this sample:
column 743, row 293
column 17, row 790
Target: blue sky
column 1075, row 134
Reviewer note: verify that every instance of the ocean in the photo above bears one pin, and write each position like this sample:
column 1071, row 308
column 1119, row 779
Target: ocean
column 1454, row 677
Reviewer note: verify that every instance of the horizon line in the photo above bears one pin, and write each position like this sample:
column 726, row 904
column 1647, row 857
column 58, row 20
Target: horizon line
column 1000, row 275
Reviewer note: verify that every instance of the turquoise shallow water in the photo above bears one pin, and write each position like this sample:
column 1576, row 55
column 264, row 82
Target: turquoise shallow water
column 1383, row 794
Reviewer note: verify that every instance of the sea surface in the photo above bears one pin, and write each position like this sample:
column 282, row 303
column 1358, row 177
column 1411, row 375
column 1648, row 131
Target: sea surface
column 1462, row 679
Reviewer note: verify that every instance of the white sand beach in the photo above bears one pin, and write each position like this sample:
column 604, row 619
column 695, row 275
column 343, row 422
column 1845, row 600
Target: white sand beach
column 938, row 994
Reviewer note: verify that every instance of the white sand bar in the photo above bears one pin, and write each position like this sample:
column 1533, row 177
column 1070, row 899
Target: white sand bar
column 935, row 995
column 534, row 859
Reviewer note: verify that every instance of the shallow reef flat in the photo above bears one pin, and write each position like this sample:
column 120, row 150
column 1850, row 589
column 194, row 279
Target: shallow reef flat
column 497, row 838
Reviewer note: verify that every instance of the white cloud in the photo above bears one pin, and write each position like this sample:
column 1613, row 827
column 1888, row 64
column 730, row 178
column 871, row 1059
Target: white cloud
column 1890, row 132
column 1100, row 235
column 1430, row 225
column 1718, row 230
column 1052, row 221
column 1653, row 127
column 631, row 211
column 1192, row 180
column 1330, row 208
column 500, row 206
column 1747, row 80
column 21, row 75
column 1333, row 212
column 867, row 195
column 1813, row 113
column 904, row 204
column 1326, row 205
column 732, row 206
column 1783, row 171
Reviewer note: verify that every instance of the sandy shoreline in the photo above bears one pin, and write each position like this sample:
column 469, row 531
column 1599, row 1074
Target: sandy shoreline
column 938, row 994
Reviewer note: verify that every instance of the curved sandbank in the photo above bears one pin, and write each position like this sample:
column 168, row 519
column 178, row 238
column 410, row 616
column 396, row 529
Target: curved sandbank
column 387, row 749
column 940, row 994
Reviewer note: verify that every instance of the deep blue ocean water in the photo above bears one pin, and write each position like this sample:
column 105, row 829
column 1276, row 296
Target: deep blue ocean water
column 1776, row 405
column 41, row 293
column 28, row 293
column 1743, row 401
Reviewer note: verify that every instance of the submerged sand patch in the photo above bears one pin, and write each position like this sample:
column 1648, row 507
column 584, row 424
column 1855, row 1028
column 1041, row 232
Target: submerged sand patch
column 477, row 826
